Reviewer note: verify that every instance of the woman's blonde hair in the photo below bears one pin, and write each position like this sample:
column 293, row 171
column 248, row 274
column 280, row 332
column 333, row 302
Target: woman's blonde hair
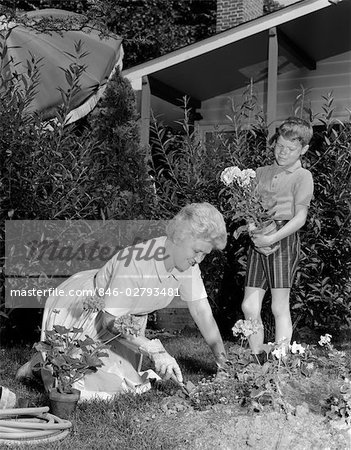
column 199, row 221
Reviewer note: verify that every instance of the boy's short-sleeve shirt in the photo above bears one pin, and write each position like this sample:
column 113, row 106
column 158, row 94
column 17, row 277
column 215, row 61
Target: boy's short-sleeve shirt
column 285, row 187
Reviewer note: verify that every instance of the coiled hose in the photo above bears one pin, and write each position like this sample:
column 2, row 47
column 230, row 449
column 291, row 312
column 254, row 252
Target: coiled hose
column 31, row 425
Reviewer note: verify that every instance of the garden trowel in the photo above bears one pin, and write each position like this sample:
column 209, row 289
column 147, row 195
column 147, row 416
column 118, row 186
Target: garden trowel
column 187, row 388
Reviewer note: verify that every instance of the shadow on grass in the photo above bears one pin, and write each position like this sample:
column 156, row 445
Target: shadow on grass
column 197, row 367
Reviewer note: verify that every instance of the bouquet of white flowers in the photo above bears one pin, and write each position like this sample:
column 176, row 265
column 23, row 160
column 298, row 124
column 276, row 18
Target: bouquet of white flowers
column 243, row 199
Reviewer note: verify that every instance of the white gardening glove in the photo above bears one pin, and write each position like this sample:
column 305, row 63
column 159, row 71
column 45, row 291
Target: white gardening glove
column 224, row 367
column 165, row 364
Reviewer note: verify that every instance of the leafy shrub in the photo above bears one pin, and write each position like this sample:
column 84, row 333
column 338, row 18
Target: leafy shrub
column 322, row 292
column 187, row 170
column 121, row 165
column 57, row 171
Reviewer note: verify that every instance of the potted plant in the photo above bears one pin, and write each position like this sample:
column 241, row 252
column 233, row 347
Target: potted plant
column 245, row 202
column 67, row 360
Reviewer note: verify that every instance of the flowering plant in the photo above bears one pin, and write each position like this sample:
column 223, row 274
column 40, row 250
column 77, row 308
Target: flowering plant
column 325, row 340
column 68, row 357
column 93, row 303
column 269, row 383
column 246, row 327
column 244, row 200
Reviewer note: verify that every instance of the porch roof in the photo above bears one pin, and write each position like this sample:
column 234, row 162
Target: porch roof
column 308, row 31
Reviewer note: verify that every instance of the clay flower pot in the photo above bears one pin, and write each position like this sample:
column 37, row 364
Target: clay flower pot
column 268, row 227
column 63, row 405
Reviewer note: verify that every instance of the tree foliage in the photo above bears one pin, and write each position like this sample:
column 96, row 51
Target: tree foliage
column 271, row 6
column 53, row 171
column 150, row 28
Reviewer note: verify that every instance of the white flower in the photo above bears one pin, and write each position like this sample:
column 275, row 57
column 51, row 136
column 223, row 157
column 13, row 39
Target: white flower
column 297, row 348
column 246, row 176
column 325, row 339
column 249, row 173
column 244, row 182
column 279, row 352
column 246, row 327
column 229, row 174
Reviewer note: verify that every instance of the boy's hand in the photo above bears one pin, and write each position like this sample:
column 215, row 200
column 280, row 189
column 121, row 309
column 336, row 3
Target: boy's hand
column 262, row 240
column 267, row 250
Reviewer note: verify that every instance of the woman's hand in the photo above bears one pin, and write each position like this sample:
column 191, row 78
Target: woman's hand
column 223, row 369
column 201, row 312
column 223, row 363
column 166, row 366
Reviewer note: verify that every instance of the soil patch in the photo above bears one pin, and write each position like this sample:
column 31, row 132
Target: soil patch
column 227, row 427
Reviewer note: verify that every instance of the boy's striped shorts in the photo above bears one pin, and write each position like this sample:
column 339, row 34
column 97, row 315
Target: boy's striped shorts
column 277, row 270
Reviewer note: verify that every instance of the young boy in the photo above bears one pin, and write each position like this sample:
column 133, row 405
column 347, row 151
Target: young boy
column 291, row 187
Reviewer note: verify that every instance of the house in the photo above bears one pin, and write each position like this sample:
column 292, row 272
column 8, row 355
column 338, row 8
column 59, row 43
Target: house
column 307, row 44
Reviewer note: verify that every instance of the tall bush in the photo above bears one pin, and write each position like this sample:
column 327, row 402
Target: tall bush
column 189, row 171
column 58, row 171
column 322, row 295
column 121, row 164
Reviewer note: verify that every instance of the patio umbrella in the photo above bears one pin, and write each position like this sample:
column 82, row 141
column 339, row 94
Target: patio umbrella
column 104, row 56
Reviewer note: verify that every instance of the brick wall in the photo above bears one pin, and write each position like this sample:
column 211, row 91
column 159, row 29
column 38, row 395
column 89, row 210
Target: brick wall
column 231, row 13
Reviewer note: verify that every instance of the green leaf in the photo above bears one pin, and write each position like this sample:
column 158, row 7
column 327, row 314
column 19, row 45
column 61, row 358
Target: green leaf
column 42, row 347
column 93, row 361
column 87, row 341
column 61, row 329
column 77, row 330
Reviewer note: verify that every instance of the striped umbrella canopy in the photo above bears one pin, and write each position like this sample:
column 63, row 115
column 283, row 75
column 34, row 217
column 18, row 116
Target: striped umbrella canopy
column 56, row 51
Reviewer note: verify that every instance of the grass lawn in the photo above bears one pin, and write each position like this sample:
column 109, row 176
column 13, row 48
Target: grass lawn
column 117, row 424
column 140, row 422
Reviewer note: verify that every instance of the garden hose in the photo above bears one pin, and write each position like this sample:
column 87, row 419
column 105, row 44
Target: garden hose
column 31, row 425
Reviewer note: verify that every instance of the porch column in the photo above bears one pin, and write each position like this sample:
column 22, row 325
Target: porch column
column 145, row 112
column 272, row 81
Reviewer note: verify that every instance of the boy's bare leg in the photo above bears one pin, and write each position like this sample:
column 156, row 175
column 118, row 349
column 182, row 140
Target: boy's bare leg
column 251, row 307
column 281, row 312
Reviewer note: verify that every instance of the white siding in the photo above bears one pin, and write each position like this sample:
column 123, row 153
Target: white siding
column 332, row 75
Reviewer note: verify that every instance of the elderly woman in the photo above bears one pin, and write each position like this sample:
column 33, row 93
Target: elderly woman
column 134, row 282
